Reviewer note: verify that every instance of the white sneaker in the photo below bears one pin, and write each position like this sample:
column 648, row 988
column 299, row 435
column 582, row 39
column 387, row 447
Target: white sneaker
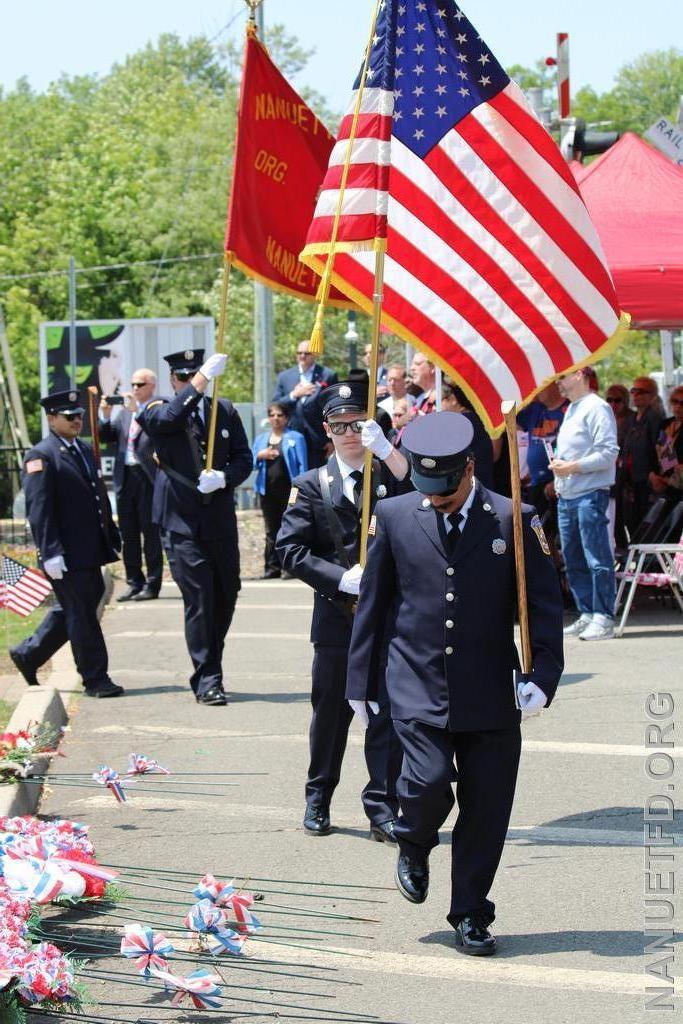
column 597, row 631
column 577, row 628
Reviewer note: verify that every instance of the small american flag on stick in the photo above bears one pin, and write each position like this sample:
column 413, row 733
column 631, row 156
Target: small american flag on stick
column 22, row 589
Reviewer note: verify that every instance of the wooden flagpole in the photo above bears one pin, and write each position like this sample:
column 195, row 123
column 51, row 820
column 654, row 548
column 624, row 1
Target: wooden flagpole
column 220, row 347
column 317, row 336
column 377, row 296
column 509, row 411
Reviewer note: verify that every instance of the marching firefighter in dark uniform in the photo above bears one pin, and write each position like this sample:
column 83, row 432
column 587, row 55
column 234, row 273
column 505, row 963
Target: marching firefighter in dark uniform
column 195, row 509
column 440, row 579
column 318, row 543
column 68, row 509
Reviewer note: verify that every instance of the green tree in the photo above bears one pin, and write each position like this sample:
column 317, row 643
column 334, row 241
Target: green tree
column 645, row 89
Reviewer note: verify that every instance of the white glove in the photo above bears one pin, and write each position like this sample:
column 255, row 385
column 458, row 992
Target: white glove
column 55, row 567
column 361, row 711
column 373, row 438
column 211, row 480
column 531, row 698
column 350, row 581
column 214, row 365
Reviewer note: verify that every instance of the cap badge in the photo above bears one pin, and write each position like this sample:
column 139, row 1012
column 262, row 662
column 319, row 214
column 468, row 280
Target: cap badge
column 499, row 547
column 345, row 391
column 72, row 396
column 381, row 491
column 189, row 354
column 428, row 463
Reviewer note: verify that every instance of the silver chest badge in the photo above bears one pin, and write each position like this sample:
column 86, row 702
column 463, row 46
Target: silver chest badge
column 499, row 547
column 381, row 491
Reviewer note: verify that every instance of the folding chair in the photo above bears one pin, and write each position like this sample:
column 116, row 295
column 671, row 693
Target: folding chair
column 670, row 559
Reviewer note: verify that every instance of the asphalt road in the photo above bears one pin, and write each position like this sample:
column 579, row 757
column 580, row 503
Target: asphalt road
column 569, row 892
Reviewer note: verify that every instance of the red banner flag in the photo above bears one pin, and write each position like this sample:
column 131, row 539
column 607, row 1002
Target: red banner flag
column 281, row 156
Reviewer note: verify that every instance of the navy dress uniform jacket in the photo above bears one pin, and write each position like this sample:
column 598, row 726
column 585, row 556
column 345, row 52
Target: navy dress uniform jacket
column 69, row 513
column 450, row 619
column 177, row 506
column 306, row 549
column 116, row 432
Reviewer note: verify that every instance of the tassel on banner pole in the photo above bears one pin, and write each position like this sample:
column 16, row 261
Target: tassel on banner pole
column 317, row 342
column 220, row 344
column 377, row 297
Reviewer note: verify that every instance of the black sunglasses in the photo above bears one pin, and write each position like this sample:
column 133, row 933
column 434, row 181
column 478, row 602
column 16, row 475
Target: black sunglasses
column 355, row 426
column 71, row 416
column 139, row 383
column 614, row 400
column 183, row 374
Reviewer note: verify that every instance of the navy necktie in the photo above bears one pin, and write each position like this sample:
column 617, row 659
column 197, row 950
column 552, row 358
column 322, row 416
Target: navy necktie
column 455, row 519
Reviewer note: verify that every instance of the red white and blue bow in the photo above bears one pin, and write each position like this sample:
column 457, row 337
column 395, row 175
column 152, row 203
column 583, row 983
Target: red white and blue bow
column 112, row 780
column 201, row 987
column 140, row 764
column 224, row 894
column 148, row 949
column 206, row 919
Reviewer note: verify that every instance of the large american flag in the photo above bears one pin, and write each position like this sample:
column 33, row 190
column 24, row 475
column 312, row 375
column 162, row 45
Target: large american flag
column 493, row 267
column 22, row 589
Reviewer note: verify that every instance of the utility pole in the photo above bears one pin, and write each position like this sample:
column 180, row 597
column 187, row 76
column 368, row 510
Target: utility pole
column 72, row 321
column 264, row 357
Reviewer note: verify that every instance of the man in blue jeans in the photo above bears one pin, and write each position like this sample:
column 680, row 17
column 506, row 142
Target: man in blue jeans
column 584, row 468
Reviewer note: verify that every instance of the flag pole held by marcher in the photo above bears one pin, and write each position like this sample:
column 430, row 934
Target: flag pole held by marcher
column 509, row 411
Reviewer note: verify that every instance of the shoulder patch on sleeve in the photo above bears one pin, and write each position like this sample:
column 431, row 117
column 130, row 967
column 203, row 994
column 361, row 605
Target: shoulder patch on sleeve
column 372, row 528
column 537, row 527
column 293, row 496
column 34, row 466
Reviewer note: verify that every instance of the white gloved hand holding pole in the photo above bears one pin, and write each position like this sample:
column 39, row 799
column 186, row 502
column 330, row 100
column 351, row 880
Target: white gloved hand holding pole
column 350, row 581
column 214, row 365
column 55, row 567
column 211, row 480
column 360, row 710
column 531, row 698
column 372, row 437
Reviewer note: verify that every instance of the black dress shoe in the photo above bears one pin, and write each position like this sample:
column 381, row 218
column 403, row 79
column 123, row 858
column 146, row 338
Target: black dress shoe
column 474, row 938
column 23, row 668
column 317, row 820
column 104, row 690
column 271, row 574
column 145, row 595
column 215, row 696
column 384, row 832
column 127, row 595
column 412, row 877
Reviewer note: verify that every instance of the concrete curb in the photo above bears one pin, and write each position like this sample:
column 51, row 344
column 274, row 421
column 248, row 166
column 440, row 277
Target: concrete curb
column 46, row 707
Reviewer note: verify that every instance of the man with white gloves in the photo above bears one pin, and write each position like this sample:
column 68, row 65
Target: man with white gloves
column 440, row 583
column 68, row 509
column 194, row 506
column 319, row 543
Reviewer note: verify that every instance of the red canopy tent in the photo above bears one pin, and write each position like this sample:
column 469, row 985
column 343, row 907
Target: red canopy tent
column 635, row 198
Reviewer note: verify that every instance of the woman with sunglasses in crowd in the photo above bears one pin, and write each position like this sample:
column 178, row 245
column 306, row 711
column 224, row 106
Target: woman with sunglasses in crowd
column 279, row 456
column 667, row 480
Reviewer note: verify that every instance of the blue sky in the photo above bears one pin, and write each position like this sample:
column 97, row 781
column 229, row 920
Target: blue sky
column 41, row 39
